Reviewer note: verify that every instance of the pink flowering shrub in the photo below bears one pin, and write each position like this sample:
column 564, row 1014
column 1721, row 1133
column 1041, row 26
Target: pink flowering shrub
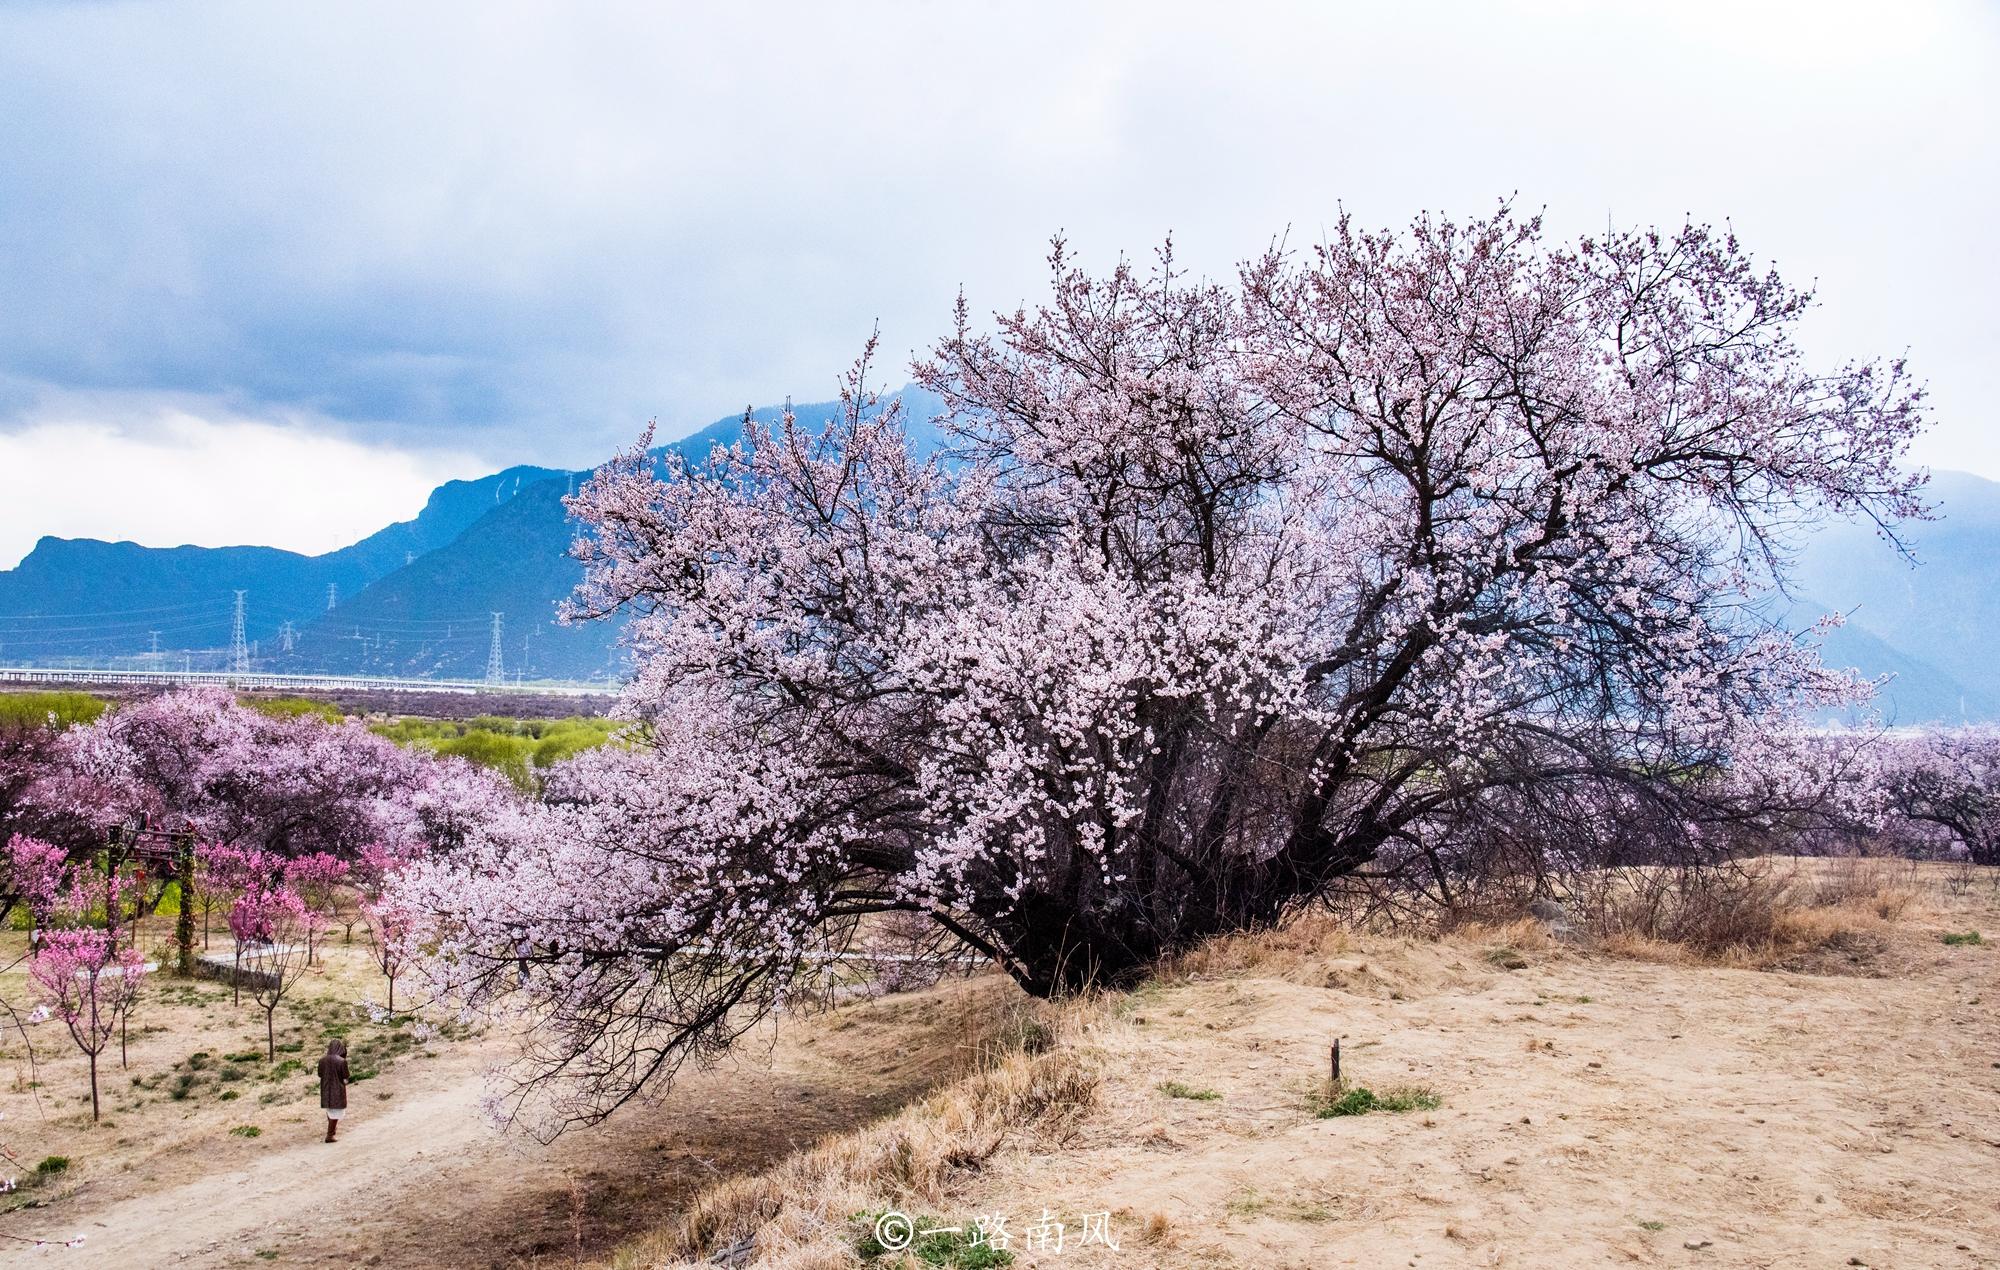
column 316, row 879
column 38, row 875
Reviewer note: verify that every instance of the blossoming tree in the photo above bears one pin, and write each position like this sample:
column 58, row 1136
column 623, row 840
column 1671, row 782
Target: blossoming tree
column 291, row 787
column 273, row 929
column 1947, row 781
column 88, row 982
column 316, row 879
column 1220, row 593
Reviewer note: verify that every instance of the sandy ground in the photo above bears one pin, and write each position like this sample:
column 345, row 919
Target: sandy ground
column 1595, row 1112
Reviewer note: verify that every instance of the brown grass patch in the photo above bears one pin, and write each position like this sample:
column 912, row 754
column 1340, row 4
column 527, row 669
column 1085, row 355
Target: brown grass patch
column 799, row 1213
column 1794, row 914
column 1303, row 944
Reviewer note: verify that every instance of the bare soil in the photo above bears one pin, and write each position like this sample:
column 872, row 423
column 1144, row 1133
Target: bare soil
column 1594, row 1110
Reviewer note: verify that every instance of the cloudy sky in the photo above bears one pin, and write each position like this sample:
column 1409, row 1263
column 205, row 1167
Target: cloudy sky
column 268, row 272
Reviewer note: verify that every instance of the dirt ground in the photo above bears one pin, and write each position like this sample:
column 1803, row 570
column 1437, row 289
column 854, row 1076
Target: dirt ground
column 1594, row 1111
column 417, row 1177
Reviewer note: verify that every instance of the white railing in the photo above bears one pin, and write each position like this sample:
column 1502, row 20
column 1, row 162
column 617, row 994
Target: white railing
column 252, row 680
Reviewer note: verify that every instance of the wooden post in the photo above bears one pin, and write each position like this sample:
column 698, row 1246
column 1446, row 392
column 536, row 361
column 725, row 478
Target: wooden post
column 184, row 923
column 113, row 857
column 1336, row 1061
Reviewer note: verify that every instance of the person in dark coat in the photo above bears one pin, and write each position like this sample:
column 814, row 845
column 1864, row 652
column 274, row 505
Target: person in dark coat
column 333, row 1084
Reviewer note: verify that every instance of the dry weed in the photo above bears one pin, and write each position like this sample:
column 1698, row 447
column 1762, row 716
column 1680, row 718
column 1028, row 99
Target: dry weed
column 798, row 1214
column 1755, row 915
column 1300, row 944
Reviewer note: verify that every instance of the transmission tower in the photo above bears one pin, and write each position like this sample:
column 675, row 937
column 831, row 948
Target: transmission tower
column 332, row 595
column 287, row 636
column 495, row 672
column 156, row 647
column 239, row 648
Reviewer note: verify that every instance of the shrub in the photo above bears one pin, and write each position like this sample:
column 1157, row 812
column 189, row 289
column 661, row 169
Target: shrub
column 1359, row 1100
column 1175, row 1089
column 1961, row 940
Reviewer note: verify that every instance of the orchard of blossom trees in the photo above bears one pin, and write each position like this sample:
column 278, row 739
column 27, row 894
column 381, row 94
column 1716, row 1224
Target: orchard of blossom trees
column 1395, row 560
column 291, row 820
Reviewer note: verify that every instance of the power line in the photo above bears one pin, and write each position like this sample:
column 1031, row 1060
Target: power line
column 115, row 613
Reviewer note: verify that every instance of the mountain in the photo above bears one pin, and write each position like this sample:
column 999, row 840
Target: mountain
column 82, row 599
column 1929, row 618
column 417, row 598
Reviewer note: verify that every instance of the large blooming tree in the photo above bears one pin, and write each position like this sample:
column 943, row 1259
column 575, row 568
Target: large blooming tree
column 1219, row 593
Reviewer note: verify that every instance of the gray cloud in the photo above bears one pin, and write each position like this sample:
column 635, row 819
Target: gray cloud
column 525, row 229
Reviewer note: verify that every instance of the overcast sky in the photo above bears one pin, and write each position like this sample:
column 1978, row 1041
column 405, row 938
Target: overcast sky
column 268, row 272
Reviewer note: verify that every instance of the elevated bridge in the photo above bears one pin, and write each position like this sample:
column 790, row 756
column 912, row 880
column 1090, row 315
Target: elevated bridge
column 259, row 681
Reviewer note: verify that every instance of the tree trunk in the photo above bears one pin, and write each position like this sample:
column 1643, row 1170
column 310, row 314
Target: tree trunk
column 93, row 1087
column 270, row 1034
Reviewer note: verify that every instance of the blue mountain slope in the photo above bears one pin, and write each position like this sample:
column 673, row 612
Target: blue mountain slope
column 433, row 617
column 83, row 598
column 1931, row 622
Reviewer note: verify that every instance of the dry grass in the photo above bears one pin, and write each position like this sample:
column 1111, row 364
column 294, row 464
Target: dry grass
column 1037, row 1079
column 1309, row 938
column 1759, row 915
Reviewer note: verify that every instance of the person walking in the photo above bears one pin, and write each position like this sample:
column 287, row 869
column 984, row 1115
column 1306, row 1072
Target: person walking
column 333, row 1084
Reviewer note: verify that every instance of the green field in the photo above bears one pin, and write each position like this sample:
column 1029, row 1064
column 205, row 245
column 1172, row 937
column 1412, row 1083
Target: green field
column 520, row 749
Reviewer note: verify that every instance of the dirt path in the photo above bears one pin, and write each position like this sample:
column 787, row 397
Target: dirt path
column 290, row 1199
column 419, row 1179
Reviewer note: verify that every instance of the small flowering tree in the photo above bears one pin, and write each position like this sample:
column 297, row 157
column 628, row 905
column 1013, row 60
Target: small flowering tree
column 1948, row 782
column 1222, row 593
column 272, row 926
column 390, row 927
column 224, row 874
column 316, row 879
column 88, row 982
column 38, row 876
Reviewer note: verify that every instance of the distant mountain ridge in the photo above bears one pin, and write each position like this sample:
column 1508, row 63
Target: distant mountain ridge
column 417, row 598
column 1931, row 622
column 82, row 598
